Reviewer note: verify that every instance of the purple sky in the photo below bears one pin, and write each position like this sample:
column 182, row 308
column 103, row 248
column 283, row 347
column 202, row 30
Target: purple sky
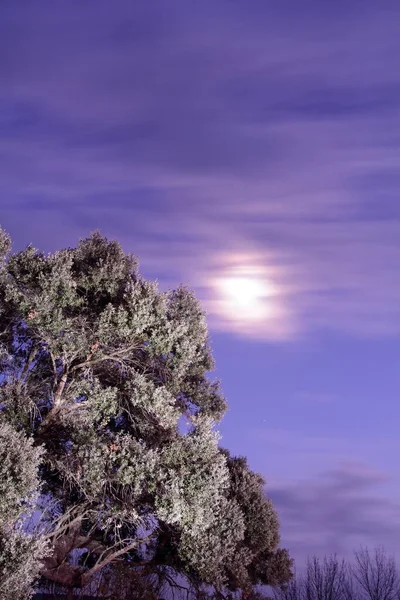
column 251, row 134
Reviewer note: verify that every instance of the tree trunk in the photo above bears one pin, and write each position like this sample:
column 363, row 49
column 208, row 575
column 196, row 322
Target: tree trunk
column 70, row 594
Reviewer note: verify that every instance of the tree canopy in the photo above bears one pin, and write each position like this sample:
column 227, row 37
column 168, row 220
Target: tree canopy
column 107, row 416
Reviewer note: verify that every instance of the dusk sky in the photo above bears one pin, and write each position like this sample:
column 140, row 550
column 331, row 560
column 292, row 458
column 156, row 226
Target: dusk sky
column 251, row 149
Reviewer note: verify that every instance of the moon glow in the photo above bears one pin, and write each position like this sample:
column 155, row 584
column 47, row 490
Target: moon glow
column 246, row 297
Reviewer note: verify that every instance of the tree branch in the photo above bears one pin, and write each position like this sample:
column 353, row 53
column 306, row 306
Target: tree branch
column 31, row 357
column 86, row 577
column 60, row 389
column 115, row 356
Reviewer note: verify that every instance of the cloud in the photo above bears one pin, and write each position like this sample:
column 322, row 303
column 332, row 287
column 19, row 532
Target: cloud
column 206, row 131
column 337, row 512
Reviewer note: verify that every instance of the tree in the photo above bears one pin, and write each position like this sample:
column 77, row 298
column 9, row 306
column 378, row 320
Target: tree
column 292, row 590
column 376, row 574
column 326, row 579
column 108, row 377
column 372, row 576
column 20, row 554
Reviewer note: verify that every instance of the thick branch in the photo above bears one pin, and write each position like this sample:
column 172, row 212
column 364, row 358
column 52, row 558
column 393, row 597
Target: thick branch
column 29, row 361
column 66, row 522
column 57, row 568
column 86, row 577
column 116, row 356
column 65, row 574
column 60, row 389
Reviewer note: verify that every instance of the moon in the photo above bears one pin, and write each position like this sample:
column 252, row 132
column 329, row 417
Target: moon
column 246, row 297
column 248, row 294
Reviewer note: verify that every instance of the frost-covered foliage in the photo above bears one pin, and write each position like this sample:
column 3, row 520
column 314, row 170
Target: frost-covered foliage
column 20, row 562
column 99, row 368
column 19, row 463
column 20, row 553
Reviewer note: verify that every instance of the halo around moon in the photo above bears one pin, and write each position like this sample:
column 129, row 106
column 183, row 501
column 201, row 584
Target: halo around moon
column 245, row 296
column 248, row 296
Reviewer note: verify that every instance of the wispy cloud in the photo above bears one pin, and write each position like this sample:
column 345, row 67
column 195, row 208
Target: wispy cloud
column 211, row 131
column 337, row 512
